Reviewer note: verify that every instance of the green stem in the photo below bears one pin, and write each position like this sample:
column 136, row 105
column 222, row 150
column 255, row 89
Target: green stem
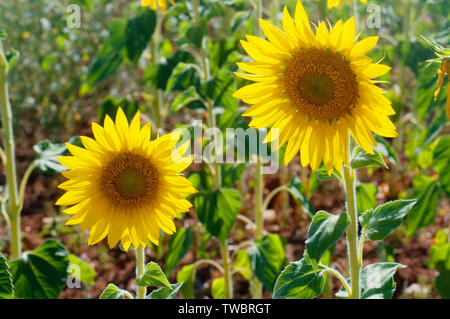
column 340, row 277
column 226, row 271
column 355, row 13
column 209, row 262
column 284, row 179
column 256, row 286
column 23, row 182
column 13, row 207
column 140, row 269
column 352, row 231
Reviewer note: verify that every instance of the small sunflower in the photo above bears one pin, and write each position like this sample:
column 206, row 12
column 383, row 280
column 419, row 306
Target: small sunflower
column 338, row 3
column 316, row 89
column 124, row 186
column 444, row 69
column 152, row 3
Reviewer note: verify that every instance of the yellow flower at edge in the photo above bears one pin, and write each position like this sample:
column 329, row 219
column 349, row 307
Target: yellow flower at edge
column 152, row 3
column 124, row 186
column 316, row 89
column 338, row 3
column 444, row 69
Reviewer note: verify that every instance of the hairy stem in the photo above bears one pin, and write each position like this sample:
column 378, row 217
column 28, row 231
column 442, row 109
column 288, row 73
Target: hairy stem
column 226, row 271
column 140, row 269
column 352, row 231
column 13, row 206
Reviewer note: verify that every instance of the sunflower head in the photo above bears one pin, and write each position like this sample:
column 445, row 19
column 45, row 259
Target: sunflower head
column 124, row 186
column 162, row 4
column 316, row 89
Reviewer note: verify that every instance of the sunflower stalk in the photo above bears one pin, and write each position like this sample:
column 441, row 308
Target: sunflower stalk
column 12, row 204
column 140, row 269
column 227, row 273
column 352, row 230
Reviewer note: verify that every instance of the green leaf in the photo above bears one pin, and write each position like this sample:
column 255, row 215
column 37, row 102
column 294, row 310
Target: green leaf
column 366, row 197
column 441, row 162
column 217, row 211
column 110, row 106
column 158, row 74
column 81, row 270
column 440, row 260
column 299, row 280
column 363, row 159
column 440, row 252
column 218, row 288
column 195, row 34
column 138, row 32
column 322, row 174
column 221, row 89
column 386, row 149
column 183, row 99
column 153, row 276
column 46, row 154
column 6, row 283
column 377, row 281
column 423, row 213
column 165, row 293
column 41, row 273
column 114, row 292
column 231, row 173
column 183, row 76
column 297, row 190
column 267, row 259
column 111, row 56
column 179, row 245
column 242, row 264
column 442, row 283
column 324, row 231
column 187, row 276
column 379, row 222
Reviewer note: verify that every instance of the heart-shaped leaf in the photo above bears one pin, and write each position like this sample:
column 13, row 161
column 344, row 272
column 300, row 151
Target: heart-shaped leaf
column 324, row 231
column 299, row 280
column 41, row 273
column 379, row 222
column 153, row 276
column 218, row 210
column 267, row 259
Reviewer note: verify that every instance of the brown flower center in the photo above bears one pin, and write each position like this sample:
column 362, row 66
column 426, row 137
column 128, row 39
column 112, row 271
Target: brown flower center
column 129, row 180
column 321, row 84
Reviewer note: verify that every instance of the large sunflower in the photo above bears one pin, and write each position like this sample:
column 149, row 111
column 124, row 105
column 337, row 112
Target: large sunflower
column 152, row 3
column 122, row 185
column 315, row 89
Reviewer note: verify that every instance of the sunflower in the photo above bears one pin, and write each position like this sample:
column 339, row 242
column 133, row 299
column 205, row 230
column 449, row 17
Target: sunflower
column 315, row 89
column 152, row 3
column 124, row 186
column 444, row 69
column 338, row 3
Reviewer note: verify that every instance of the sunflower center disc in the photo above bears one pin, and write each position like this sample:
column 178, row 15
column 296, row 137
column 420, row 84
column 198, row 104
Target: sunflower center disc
column 129, row 180
column 321, row 84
